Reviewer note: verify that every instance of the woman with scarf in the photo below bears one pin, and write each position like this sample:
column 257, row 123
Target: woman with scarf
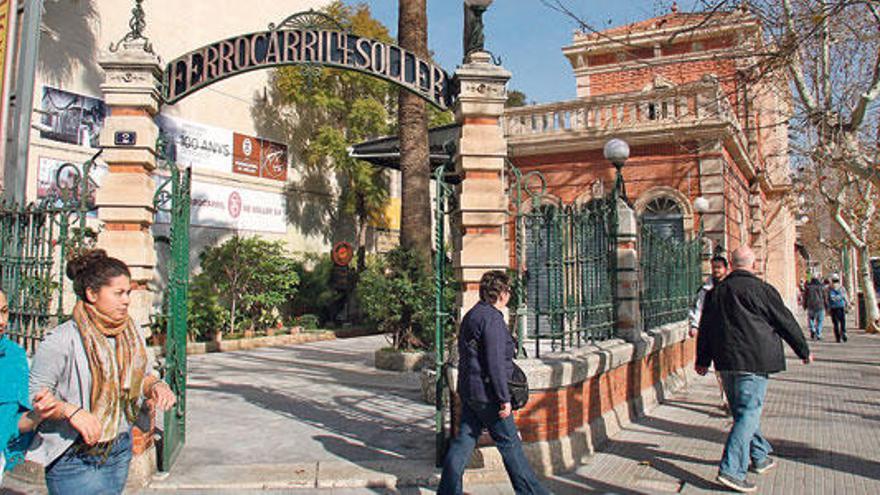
column 97, row 371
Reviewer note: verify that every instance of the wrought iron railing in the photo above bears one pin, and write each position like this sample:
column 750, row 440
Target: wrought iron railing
column 565, row 266
column 35, row 241
column 671, row 272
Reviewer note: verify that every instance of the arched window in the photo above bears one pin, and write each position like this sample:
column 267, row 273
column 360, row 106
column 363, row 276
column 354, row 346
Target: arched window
column 664, row 217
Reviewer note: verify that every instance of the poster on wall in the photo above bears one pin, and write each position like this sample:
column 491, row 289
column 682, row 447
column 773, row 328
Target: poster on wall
column 71, row 118
column 47, row 186
column 199, row 146
column 233, row 208
column 259, row 157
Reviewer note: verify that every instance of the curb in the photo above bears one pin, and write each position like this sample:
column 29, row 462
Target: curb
column 319, row 475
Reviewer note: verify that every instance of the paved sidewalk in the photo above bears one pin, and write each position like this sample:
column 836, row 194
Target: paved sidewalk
column 823, row 421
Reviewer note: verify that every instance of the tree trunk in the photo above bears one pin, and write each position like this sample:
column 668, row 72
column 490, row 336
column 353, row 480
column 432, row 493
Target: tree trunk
column 872, row 320
column 415, row 228
column 361, row 262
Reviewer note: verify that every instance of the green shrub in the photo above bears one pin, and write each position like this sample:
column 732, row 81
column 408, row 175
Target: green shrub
column 308, row 321
column 315, row 295
column 397, row 294
column 206, row 314
column 252, row 278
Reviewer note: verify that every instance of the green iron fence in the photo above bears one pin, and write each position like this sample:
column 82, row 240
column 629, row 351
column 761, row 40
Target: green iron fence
column 565, row 266
column 671, row 277
column 35, row 241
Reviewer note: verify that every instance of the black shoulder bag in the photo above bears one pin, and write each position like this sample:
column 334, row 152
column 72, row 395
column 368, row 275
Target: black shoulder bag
column 517, row 385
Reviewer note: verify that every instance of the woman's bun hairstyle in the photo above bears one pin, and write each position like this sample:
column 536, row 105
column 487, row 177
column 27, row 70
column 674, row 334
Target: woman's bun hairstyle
column 93, row 269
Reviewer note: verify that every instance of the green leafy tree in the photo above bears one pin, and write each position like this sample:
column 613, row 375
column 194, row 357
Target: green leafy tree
column 252, row 277
column 516, row 98
column 342, row 108
column 397, row 294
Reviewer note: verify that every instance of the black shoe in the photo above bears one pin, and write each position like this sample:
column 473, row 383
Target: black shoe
column 763, row 466
column 743, row 486
column 844, row 338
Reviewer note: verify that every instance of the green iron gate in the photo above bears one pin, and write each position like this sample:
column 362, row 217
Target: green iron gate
column 173, row 200
column 671, row 272
column 565, row 261
column 35, row 242
column 444, row 317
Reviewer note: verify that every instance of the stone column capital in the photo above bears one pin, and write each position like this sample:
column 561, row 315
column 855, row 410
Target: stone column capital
column 482, row 87
column 133, row 77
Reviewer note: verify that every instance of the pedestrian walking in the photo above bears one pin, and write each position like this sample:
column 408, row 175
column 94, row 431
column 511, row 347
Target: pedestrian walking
column 719, row 271
column 816, row 303
column 838, row 301
column 486, row 350
column 16, row 417
column 97, row 371
column 744, row 323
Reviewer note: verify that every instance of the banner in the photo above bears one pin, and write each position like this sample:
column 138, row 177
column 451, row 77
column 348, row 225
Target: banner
column 46, row 175
column 199, row 146
column 233, row 208
column 71, row 118
column 259, row 157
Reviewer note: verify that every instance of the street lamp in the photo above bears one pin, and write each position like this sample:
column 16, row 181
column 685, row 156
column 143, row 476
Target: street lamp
column 474, row 39
column 617, row 152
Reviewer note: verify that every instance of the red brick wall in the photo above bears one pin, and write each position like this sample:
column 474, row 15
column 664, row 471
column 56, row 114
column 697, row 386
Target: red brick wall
column 569, row 175
column 554, row 414
column 627, row 81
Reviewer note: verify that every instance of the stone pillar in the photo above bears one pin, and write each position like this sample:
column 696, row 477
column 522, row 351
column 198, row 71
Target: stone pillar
column 477, row 223
column 757, row 231
column 125, row 199
column 712, row 188
column 629, row 312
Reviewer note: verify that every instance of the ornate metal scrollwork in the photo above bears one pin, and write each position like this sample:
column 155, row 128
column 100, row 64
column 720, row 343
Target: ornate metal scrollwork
column 137, row 25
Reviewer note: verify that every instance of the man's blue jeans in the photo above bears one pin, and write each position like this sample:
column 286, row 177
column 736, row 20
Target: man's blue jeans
column 474, row 416
column 82, row 473
column 816, row 320
column 745, row 443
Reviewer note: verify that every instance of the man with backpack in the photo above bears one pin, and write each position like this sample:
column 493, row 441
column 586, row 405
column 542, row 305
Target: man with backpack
column 837, row 304
column 815, row 302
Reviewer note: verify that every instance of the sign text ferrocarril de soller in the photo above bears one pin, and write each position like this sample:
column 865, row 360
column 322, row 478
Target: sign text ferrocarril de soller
column 248, row 52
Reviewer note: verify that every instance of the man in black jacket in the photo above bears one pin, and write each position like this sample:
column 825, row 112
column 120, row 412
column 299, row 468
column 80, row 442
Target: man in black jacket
column 743, row 324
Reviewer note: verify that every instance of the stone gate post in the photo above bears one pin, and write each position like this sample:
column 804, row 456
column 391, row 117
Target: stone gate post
column 478, row 222
column 629, row 313
column 125, row 198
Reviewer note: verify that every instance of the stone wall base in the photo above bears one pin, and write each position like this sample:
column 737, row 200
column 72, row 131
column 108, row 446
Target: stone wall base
column 564, row 454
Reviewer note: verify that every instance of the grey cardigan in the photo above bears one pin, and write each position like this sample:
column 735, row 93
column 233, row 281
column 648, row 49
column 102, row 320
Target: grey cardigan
column 61, row 365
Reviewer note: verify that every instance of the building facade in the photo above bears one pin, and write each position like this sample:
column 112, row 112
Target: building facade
column 222, row 132
column 679, row 90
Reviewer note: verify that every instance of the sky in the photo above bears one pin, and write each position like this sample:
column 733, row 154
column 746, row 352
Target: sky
column 527, row 35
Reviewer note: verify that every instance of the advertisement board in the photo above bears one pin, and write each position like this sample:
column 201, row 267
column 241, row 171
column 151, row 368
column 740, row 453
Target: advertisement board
column 259, row 157
column 71, row 118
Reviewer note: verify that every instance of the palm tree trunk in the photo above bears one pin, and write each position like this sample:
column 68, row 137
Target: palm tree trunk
column 415, row 228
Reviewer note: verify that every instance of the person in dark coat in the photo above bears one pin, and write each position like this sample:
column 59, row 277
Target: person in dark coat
column 816, row 303
column 486, row 350
column 743, row 325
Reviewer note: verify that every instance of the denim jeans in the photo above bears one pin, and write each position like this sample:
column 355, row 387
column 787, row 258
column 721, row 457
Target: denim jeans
column 745, row 443
column 82, row 473
column 475, row 416
column 816, row 320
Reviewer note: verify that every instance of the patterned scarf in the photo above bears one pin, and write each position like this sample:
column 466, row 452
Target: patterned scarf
column 117, row 385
